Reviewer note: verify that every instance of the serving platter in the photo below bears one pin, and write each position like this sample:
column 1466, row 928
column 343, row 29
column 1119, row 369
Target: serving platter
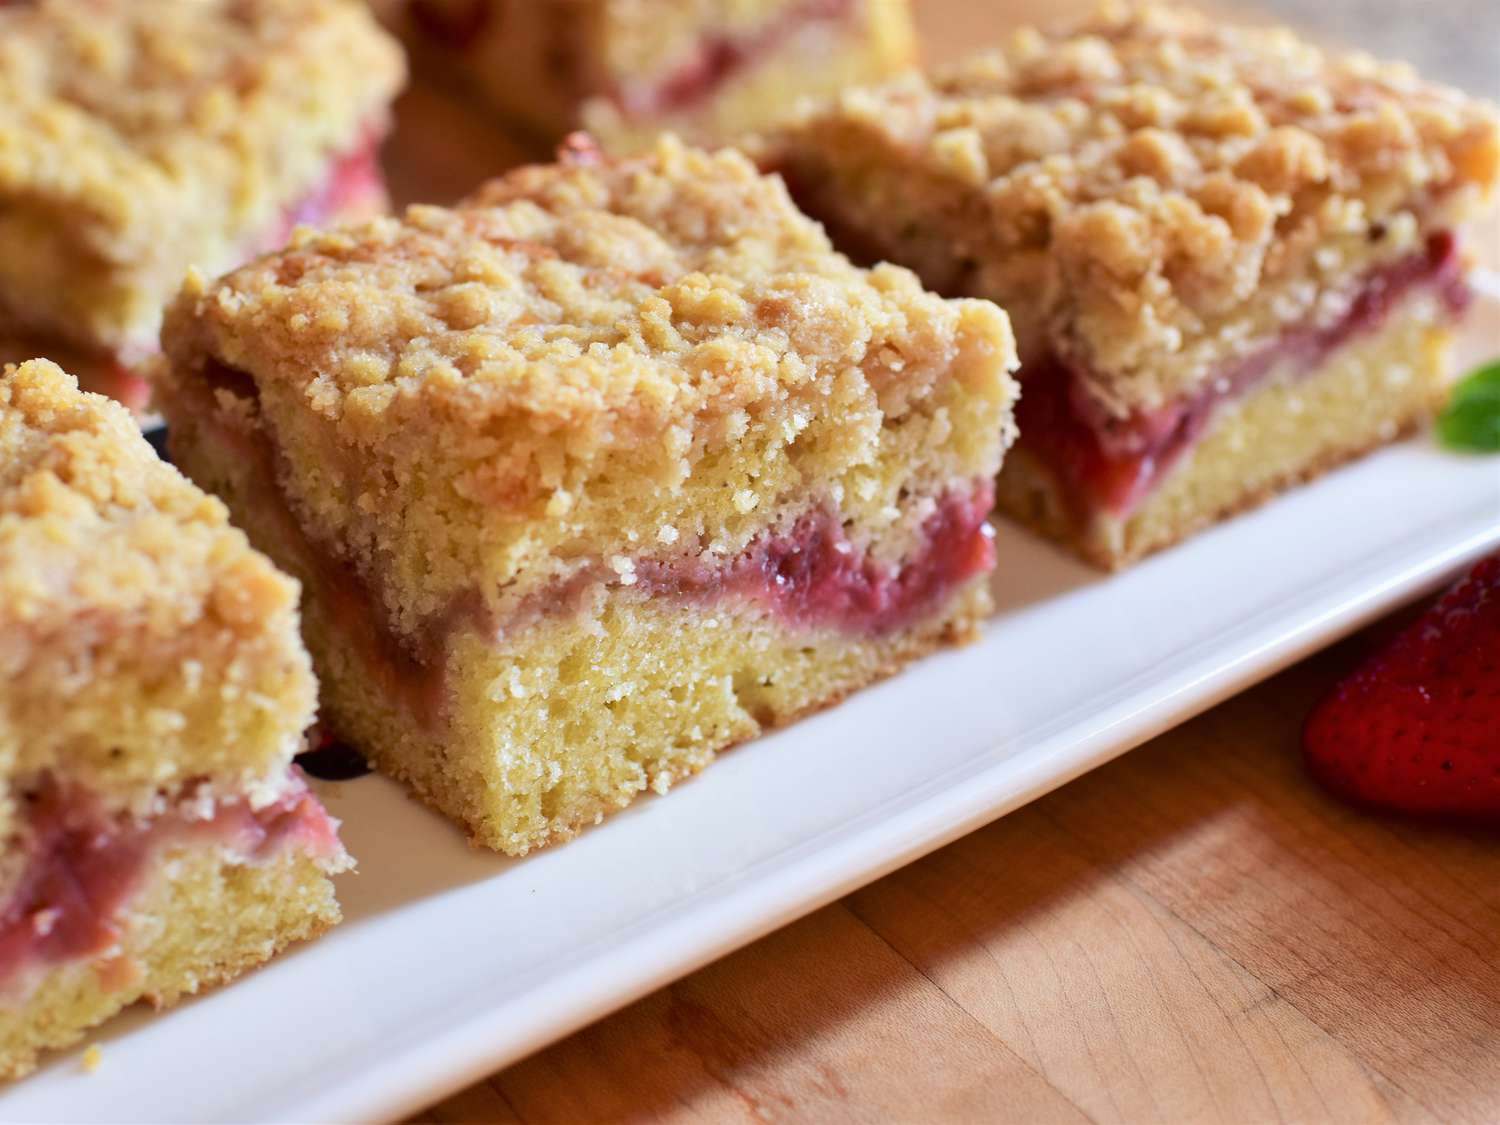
column 452, row 962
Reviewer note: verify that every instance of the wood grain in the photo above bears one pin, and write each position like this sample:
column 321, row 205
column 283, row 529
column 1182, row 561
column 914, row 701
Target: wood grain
column 1192, row 933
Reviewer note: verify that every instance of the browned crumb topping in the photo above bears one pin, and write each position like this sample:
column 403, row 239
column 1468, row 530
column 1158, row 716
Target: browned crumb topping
column 117, row 104
column 1135, row 181
column 607, row 299
column 468, row 392
column 85, row 505
column 143, row 642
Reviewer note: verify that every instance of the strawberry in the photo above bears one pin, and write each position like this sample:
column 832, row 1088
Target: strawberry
column 1416, row 728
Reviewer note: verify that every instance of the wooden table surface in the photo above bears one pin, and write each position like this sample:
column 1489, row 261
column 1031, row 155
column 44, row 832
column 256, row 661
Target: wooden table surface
column 1193, row 932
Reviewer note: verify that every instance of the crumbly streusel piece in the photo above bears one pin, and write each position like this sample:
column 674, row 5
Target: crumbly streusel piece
column 139, row 137
column 1181, row 217
column 628, row 69
column 602, row 472
column 153, row 689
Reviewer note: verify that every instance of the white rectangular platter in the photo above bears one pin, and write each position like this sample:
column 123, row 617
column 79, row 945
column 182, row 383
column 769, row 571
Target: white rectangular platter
column 452, row 962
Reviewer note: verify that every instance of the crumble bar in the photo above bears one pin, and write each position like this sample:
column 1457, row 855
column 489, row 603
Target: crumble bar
column 153, row 689
column 612, row 467
column 628, row 69
column 1232, row 260
column 140, row 137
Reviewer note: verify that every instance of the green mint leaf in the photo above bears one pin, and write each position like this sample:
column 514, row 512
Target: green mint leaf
column 1472, row 419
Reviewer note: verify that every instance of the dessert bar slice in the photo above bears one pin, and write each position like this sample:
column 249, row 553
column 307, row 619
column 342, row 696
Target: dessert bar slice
column 1232, row 260
column 139, row 137
column 610, row 468
column 627, row 69
column 153, row 690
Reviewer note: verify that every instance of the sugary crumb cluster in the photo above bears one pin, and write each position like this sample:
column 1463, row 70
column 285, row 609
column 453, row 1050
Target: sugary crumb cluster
column 143, row 643
column 497, row 389
column 145, row 134
column 1138, row 182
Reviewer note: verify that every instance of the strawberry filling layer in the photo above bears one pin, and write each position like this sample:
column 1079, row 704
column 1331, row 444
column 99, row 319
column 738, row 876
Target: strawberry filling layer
column 83, row 865
column 1111, row 465
column 814, row 577
column 810, row 576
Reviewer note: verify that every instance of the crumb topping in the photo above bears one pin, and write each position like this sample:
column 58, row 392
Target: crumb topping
column 119, row 104
column 609, row 299
column 565, row 292
column 1133, row 182
column 133, row 618
column 86, row 506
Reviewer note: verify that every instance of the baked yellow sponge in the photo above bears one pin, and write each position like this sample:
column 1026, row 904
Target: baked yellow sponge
column 153, row 689
column 607, row 469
